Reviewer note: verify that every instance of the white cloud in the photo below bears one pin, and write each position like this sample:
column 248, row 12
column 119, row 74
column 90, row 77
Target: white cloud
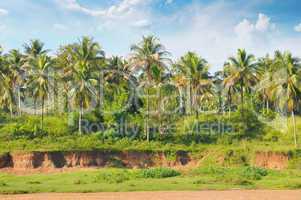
column 142, row 24
column 213, row 32
column 168, row 1
column 298, row 28
column 263, row 23
column 244, row 28
column 60, row 27
column 3, row 12
column 124, row 14
column 116, row 10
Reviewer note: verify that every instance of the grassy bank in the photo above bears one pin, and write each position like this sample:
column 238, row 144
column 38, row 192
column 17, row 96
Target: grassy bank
column 115, row 180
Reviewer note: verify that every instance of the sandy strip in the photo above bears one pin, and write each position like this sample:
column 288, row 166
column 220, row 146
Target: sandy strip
column 210, row 195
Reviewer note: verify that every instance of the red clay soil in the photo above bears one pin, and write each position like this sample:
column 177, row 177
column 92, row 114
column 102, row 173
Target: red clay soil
column 271, row 160
column 61, row 161
column 47, row 162
column 202, row 195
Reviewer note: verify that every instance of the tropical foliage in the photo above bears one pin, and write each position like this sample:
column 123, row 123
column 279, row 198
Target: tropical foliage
column 143, row 95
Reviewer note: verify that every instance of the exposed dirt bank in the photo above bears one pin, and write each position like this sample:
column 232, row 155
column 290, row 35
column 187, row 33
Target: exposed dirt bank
column 271, row 160
column 86, row 159
column 61, row 161
column 204, row 195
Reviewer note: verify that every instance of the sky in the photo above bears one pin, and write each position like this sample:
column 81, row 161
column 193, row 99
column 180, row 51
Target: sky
column 215, row 29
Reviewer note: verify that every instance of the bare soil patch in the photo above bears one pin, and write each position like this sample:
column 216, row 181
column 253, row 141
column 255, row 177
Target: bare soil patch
column 201, row 195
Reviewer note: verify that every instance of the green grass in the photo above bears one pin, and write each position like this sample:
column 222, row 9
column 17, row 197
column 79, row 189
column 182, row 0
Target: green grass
column 232, row 173
column 117, row 180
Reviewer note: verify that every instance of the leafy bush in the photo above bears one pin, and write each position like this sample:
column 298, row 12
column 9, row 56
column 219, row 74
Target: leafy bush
column 254, row 173
column 235, row 157
column 158, row 173
column 246, row 123
column 233, row 174
column 29, row 127
column 269, row 114
column 3, row 117
column 272, row 135
column 114, row 176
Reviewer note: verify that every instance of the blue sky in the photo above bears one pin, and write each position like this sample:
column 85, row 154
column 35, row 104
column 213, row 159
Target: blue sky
column 212, row 28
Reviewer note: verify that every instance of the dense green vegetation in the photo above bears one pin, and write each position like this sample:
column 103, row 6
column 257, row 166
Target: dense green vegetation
column 81, row 99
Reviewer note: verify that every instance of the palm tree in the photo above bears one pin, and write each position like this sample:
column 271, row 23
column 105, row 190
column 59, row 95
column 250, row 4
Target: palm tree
column 195, row 69
column 2, row 70
column 39, row 80
column 64, row 62
column 180, row 82
column 34, row 48
column 265, row 76
column 85, row 56
column 241, row 72
column 15, row 64
column 218, row 89
column 146, row 55
column 287, row 84
column 6, row 93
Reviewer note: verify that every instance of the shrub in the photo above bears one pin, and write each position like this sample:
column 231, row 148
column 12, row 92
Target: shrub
column 272, row 135
column 158, row 173
column 235, row 157
column 246, row 123
column 29, row 127
column 269, row 114
column 114, row 176
column 254, row 173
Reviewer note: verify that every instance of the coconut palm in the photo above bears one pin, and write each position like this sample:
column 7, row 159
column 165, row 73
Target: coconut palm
column 195, row 70
column 218, row 89
column 181, row 82
column 287, row 84
column 64, row 62
column 34, row 48
column 15, row 66
column 146, row 55
column 265, row 76
column 6, row 93
column 85, row 55
column 2, row 68
column 39, row 80
column 241, row 72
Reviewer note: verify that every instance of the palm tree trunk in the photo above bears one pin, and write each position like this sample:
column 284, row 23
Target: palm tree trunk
column 55, row 96
column 100, row 92
column 242, row 98
column 229, row 102
column 159, row 110
column 294, row 129
column 11, row 110
column 242, row 94
column 147, row 117
column 190, row 97
column 66, row 106
column 80, row 118
column 220, row 103
column 42, row 122
column 19, row 101
column 195, row 104
column 182, row 101
column 35, row 106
